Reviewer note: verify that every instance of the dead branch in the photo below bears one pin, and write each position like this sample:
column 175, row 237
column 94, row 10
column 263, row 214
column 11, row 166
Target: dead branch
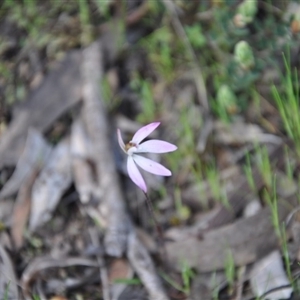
column 120, row 235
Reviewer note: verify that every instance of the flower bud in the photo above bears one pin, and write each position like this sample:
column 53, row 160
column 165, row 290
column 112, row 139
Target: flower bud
column 226, row 99
column 243, row 55
column 245, row 13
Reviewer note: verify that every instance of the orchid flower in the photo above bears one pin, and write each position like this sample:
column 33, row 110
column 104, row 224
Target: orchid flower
column 135, row 147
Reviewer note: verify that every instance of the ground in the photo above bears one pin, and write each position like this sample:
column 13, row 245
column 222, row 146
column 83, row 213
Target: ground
column 221, row 77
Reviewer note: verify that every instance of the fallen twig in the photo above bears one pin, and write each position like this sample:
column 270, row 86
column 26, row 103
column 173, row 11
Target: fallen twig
column 120, row 236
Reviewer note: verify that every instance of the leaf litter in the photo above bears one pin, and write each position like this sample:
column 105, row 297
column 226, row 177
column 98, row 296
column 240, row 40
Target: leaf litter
column 71, row 233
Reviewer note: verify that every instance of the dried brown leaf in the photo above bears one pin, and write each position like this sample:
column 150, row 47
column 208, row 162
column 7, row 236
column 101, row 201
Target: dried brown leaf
column 42, row 263
column 8, row 280
column 268, row 273
column 119, row 269
column 35, row 154
column 82, row 169
column 21, row 210
column 59, row 91
column 52, row 182
column 248, row 240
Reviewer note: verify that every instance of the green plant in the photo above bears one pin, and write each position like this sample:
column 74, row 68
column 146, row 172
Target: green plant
column 287, row 102
column 183, row 211
column 216, row 188
column 243, row 54
column 187, row 275
column 215, row 291
column 196, row 36
column 273, row 204
column 103, row 7
column 6, row 291
column 226, row 103
column 285, row 252
column 288, row 165
column 159, row 46
column 264, row 164
column 230, row 270
column 249, row 173
column 84, row 15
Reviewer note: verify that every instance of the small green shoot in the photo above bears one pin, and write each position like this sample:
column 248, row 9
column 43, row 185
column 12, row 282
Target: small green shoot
column 214, row 182
column 249, row 173
column 85, row 22
column 273, row 204
column 183, row 211
column 225, row 104
column 173, row 283
column 285, row 252
column 230, row 271
column 6, row 291
column 288, row 165
column 196, row 36
column 144, row 88
column 264, row 164
column 288, row 104
column 103, row 7
column 187, row 275
column 111, row 101
column 159, row 46
column 215, row 291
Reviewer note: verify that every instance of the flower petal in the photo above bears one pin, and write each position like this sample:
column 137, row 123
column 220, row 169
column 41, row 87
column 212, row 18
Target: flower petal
column 120, row 140
column 151, row 166
column 135, row 174
column 144, row 132
column 155, row 146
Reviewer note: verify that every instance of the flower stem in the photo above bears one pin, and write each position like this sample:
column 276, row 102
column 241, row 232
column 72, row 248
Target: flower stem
column 158, row 228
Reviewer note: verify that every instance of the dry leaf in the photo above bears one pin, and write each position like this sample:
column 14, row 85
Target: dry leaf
column 35, row 153
column 8, row 280
column 59, row 91
column 248, row 239
column 21, row 210
column 50, row 185
column 240, row 132
column 82, row 170
column 119, row 269
column 267, row 274
column 43, row 263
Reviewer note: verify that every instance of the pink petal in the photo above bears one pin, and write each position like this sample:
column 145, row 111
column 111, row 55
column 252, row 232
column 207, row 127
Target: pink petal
column 151, row 166
column 156, row 146
column 144, row 132
column 120, row 140
column 135, row 174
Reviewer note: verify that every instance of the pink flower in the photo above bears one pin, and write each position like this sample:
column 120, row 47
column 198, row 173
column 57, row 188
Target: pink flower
column 153, row 146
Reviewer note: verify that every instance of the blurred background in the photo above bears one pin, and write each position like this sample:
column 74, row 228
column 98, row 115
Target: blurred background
column 221, row 77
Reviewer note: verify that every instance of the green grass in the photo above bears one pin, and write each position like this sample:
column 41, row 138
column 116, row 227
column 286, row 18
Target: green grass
column 6, row 291
column 231, row 68
column 271, row 198
column 285, row 252
column 149, row 107
column 249, row 174
column 264, row 164
column 287, row 101
column 214, row 181
column 230, row 271
column 187, row 274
